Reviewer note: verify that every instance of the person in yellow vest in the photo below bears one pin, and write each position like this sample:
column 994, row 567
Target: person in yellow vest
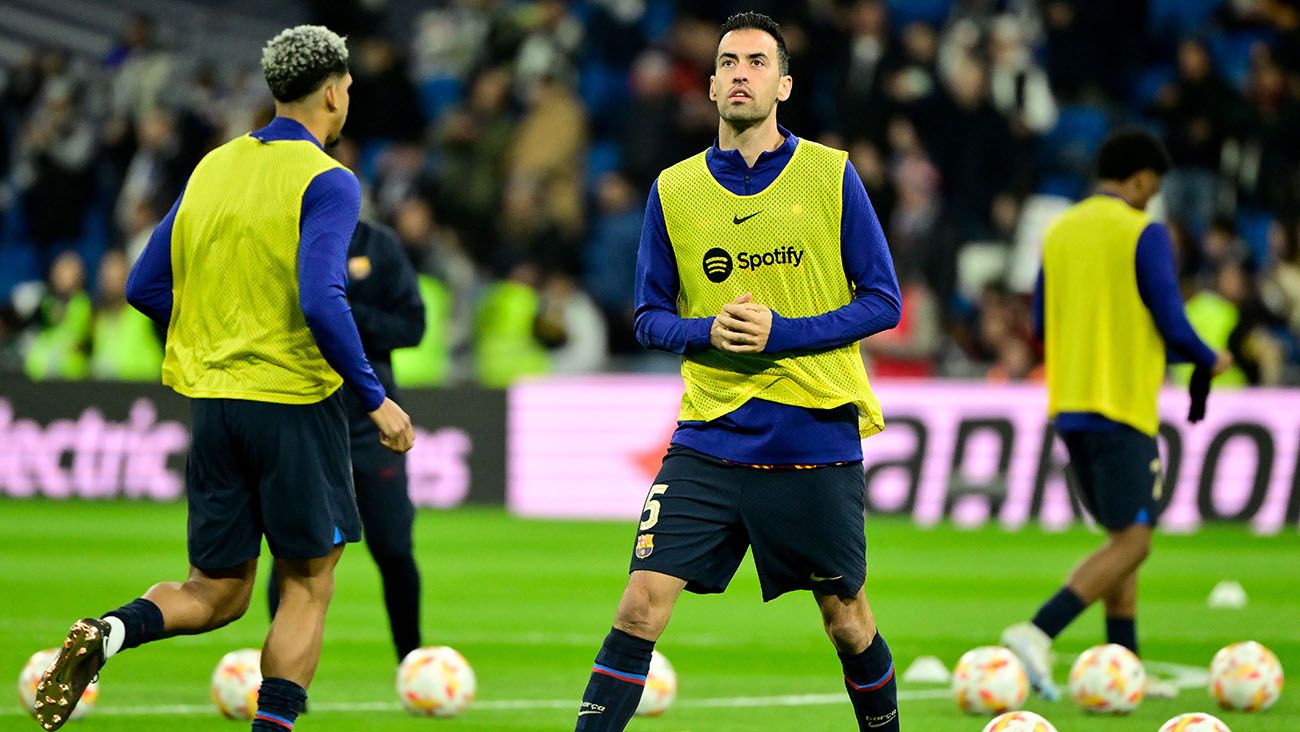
column 1109, row 310
column 123, row 346
column 762, row 262
column 59, row 349
column 249, row 271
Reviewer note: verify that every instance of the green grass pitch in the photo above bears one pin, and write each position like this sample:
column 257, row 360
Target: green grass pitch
column 527, row 602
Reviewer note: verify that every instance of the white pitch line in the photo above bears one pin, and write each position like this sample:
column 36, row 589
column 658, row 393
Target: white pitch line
column 1184, row 677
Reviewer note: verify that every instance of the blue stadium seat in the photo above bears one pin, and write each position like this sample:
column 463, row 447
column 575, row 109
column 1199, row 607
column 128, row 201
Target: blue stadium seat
column 17, row 265
column 934, row 12
column 1182, row 17
column 603, row 157
column 1146, row 84
column 438, row 94
column 1253, row 226
column 1071, row 144
column 1231, row 54
column 602, row 88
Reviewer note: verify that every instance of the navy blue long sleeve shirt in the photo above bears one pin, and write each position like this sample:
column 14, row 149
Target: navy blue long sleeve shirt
column 330, row 207
column 1158, row 287
column 761, row 432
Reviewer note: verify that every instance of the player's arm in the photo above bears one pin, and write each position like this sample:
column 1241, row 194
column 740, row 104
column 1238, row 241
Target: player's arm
column 396, row 318
column 149, row 286
column 330, row 207
column 656, row 322
column 1158, row 287
column 876, row 305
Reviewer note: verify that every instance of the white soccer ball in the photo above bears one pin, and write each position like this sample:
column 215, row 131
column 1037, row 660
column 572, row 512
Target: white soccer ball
column 1108, row 679
column 1195, row 722
column 1020, row 721
column 660, row 687
column 1245, row 677
column 235, row 682
column 435, row 681
column 989, row 680
column 31, row 675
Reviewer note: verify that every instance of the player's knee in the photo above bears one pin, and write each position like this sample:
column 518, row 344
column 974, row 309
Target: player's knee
column 848, row 632
column 638, row 616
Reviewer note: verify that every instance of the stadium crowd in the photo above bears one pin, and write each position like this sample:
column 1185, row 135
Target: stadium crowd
column 510, row 146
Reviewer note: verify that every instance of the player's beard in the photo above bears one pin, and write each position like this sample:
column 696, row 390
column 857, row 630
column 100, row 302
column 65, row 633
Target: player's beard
column 744, row 116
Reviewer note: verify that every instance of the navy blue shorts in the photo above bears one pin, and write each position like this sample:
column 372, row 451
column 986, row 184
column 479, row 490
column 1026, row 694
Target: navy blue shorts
column 1116, row 475
column 279, row 470
column 806, row 527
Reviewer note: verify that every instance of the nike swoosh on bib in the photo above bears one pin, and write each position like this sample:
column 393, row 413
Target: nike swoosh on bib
column 743, row 219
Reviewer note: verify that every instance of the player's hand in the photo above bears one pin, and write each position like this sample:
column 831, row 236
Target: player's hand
column 742, row 326
column 395, row 430
column 1223, row 362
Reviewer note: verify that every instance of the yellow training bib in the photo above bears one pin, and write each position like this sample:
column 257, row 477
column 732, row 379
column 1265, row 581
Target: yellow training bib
column 783, row 245
column 237, row 330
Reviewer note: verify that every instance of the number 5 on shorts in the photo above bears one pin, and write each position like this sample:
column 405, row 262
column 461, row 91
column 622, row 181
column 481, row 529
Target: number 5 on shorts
column 652, row 506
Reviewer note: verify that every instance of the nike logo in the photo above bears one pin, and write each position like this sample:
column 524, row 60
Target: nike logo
column 815, row 578
column 881, row 721
column 741, row 220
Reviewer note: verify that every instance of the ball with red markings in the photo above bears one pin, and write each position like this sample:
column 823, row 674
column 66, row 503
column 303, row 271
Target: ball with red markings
column 989, row 680
column 435, row 681
column 660, row 687
column 1194, row 722
column 235, row 683
column 1245, row 677
column 1020, row 721
column 1108, row 679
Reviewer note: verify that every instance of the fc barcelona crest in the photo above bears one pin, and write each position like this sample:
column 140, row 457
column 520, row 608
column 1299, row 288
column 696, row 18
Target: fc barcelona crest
column 645, row 545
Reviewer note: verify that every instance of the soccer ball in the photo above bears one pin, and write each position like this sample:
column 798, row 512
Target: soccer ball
column 1019, row 722
column 1196, row 722
column 989, row 680
column 435, row 681
column 1108, row 679
column 660, row 687
column 235, row 682
column 1246, row 677
column 31, row 676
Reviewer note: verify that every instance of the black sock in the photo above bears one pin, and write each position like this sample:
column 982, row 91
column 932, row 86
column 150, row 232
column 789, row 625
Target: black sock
column 869, row 679
column 1059, row 611
column 143, row 621
column 1122, row 631
column 617, row 681
column 279, row 702
column 402, row 598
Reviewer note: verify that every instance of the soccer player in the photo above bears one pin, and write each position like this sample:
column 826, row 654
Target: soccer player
column 762, row 262
column 389, row 313
column 1108, row 306
column 248, row 269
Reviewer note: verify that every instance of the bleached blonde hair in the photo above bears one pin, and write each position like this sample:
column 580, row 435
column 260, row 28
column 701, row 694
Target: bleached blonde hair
column 299, row 59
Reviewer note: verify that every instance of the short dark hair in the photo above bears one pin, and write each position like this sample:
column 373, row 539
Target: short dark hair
column 300, row 59
column 758, row 21
column 1131, row 150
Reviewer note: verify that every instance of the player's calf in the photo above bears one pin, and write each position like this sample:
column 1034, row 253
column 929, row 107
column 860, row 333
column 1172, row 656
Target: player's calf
column 865, row 658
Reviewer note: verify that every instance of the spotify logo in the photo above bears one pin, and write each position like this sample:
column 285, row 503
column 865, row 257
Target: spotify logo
column 717, row 264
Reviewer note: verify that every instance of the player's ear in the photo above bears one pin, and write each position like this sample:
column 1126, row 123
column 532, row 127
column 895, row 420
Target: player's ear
column 331, row 96
column 713, row 90
column 783, row 88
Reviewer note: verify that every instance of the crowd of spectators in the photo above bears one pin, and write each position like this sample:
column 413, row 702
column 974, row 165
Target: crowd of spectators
column 510, row 146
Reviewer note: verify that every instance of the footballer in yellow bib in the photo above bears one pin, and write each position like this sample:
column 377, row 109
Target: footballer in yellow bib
column 1108, row 308
column 763, row 265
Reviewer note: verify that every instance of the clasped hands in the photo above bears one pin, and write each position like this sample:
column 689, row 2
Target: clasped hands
column 742, row 326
